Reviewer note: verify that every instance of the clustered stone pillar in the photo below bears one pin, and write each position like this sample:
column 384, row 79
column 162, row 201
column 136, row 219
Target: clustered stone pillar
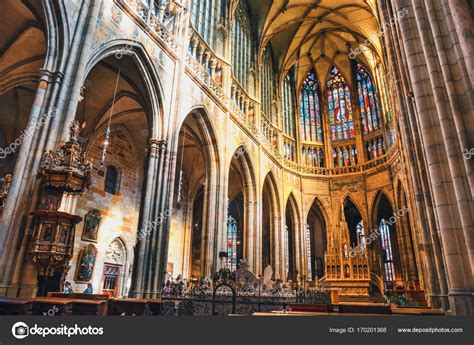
column 427, row 244
column 446, row 172
column 150, row 264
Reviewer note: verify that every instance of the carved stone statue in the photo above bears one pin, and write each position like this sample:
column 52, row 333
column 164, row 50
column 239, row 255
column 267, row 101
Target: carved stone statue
column 244, row 276
column 267, row 275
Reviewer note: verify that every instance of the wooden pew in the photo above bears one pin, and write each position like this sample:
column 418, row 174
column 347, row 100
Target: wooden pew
column 14, row 306
column 84, row 304
column 52, row 306
column 364, row 308
column 310, row 308
column 75, row 295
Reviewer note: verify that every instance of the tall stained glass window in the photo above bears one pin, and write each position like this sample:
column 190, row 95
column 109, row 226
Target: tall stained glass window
column 232, row 240
column 310, row 109
column 340, row 110
column 243, row 45
column 308, row 251
column 288, row 100
column 369, row 105
column 205, row 17
column 267, row 79
column 387, row 252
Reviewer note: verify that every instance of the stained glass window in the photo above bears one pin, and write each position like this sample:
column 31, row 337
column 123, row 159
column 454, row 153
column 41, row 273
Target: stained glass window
column 369, row 105
column 111, row 180
column 387, row 251
column 232, row 233
column 345, row 156
column 243, row 44
column 375, row 148
column 340, row 110
column 288, row 105
column 310, row 109
column 205, row 18
column 267, row 79
column 308, row 251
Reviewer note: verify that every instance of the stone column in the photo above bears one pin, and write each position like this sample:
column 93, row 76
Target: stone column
column 452, row 237
column 464, row 23
column 427, row 244
column 151, row 222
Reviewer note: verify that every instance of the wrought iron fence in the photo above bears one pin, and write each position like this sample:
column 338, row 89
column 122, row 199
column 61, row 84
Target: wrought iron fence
column 225, row 295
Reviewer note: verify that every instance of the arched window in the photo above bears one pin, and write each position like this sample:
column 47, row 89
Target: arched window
column 340, row 110
column 232, row 238
column 205, row 17
column 243, row 43
column 111, row 180
column 267, row 80
column 310, row 109
column 369, row 105
column 387, row 252
column 288, row 106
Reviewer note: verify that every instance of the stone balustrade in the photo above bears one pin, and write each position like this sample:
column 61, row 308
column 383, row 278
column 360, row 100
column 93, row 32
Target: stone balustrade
column 154, row 22
column 203, row 54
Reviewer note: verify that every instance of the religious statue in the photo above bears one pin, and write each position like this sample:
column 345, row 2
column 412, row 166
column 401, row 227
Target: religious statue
column 363, row 244
column 267, row 275
column 74, row 129
column 346, row 252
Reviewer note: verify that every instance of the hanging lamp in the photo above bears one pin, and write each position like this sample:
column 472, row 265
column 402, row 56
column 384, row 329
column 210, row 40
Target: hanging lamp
column 107, row 131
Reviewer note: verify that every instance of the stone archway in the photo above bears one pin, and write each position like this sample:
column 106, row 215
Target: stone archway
column 241, row 196
column 271, row 213
column 316, row 224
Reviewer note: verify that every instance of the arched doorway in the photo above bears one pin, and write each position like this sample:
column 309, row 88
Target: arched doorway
column 291, row 240
column 234, row 234
column 118, row 115
column 192, row 239
column 354, row 222
column 386, row 249
column 316, row 229
column 197, row 235
column 23, row 48
column 241, row 207
column 270, row 222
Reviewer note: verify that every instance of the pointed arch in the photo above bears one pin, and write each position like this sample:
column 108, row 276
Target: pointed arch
column 197, row 174
column 387, row 247
column 316, row 239
column 292, row 244
column 270, row 220
column 356, row 222
column 148, row 75
column 242, row 185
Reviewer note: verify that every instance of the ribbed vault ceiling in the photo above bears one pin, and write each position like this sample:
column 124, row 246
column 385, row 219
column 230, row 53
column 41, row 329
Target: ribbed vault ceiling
column 318, row 33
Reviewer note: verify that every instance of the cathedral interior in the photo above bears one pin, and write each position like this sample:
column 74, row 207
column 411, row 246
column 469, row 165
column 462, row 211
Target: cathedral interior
column 307, row 145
